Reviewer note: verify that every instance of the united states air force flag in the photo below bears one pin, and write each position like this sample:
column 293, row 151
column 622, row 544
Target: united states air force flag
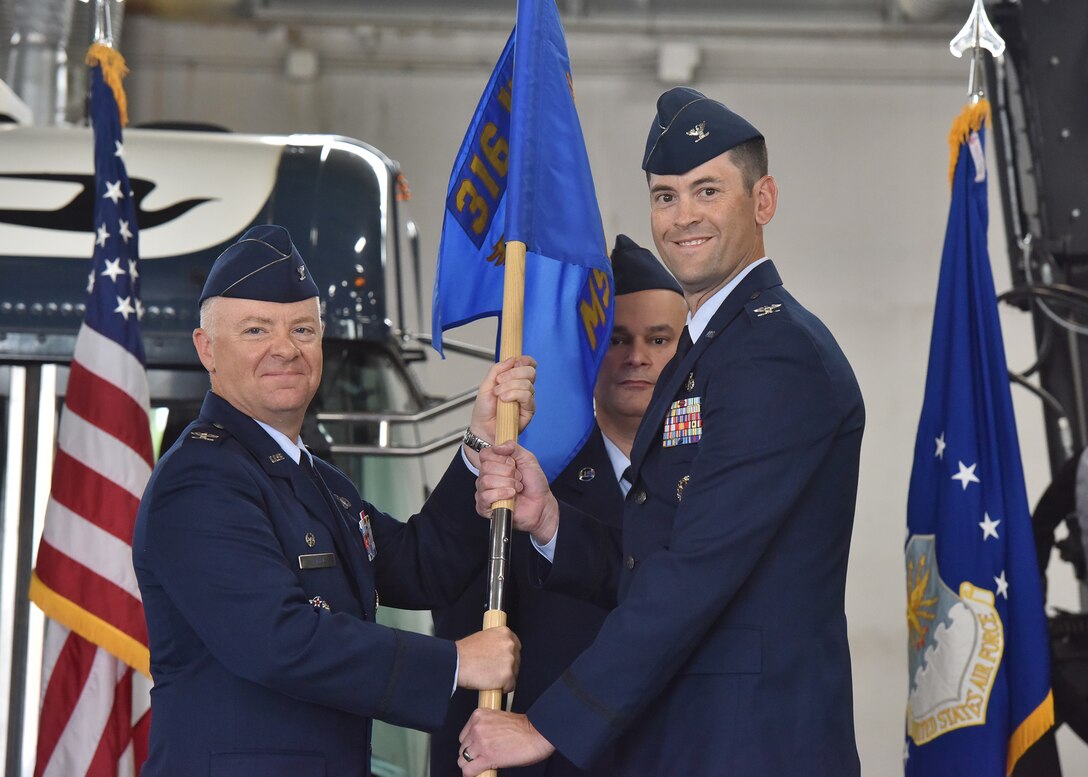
column 979, row 693
column 523, row 174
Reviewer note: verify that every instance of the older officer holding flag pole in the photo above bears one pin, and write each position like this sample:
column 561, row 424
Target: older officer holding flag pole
column 727, row 651
column 260, row 565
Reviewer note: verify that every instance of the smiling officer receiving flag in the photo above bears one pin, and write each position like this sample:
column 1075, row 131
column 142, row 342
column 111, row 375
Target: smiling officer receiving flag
column 727, row 651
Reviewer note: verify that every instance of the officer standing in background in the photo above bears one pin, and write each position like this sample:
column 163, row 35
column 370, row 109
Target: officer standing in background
column 260, row 566
column 727, row 653
column 555, row 628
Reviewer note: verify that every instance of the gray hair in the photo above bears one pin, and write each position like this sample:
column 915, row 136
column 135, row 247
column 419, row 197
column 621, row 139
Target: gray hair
column 207, row 314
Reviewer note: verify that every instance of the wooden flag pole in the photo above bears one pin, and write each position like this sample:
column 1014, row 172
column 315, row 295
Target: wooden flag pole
column 513, row 314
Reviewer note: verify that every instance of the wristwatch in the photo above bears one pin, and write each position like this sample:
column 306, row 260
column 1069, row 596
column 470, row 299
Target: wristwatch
column 474, row 442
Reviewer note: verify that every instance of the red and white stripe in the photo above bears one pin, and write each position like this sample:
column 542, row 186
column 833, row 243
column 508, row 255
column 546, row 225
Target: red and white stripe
column 95, row 710
column 95, row 707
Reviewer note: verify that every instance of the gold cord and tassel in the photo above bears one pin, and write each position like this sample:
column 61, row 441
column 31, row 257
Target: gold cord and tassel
column 113, row 70
column 971, row 119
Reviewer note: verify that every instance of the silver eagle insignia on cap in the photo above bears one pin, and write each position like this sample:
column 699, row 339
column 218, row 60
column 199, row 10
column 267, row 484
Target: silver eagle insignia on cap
column 698, row 131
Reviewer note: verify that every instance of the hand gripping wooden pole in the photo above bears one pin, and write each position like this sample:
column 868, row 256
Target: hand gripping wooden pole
column 513, row 314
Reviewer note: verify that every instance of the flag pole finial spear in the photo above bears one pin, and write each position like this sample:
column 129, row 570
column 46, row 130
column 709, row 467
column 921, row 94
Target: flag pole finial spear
column 977, row 34
column 103, row 28
column 103, row 54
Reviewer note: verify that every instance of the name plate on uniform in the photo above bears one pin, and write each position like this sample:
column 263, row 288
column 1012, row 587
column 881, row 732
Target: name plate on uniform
column 316, row 560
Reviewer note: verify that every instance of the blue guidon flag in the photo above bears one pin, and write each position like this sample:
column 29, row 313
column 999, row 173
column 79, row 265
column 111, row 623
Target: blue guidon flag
column 522, row 173
column 979, row 691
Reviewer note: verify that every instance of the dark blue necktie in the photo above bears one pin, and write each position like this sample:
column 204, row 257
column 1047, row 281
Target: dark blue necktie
column 683, row 345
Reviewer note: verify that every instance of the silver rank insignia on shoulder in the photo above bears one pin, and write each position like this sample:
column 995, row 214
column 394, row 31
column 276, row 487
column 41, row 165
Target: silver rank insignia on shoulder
column 276, row 458
column 698, row 131
column 205, row 436
column 343, row 502
column 587, row 474
column 680, row 486
column 301, row 272
column 689, row 384
column 311, row 540
column 766, row 310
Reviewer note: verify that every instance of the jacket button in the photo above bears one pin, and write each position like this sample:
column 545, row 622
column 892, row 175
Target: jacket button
column 630, row 562
column 640, row 498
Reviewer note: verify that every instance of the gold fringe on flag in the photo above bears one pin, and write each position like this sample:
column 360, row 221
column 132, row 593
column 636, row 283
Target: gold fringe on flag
column 90, row 627
column 971, row 119
column 113, row 70
column 1030, row 731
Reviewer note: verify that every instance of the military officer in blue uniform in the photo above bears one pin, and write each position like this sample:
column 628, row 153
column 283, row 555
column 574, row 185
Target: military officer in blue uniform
column 555, row 628
column 260, row 565
column 726, row 653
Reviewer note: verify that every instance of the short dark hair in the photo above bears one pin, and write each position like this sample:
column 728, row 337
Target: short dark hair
column 750, row 157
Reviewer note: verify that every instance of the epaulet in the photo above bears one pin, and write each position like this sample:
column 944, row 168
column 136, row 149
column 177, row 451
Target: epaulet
column 213, row 432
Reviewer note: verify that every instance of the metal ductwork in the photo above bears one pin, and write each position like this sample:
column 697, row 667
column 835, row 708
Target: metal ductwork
column 44, row 63
column 930, row 10
column 38, row 58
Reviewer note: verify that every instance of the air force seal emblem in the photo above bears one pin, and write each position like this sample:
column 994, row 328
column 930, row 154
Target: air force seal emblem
column 956, row 644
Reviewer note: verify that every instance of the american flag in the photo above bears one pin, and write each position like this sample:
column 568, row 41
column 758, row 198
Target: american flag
column 95, row 710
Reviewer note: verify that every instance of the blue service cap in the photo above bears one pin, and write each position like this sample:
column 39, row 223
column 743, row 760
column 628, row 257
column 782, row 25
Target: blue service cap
column 636, row 269
column 690, row 129
column 263, row 265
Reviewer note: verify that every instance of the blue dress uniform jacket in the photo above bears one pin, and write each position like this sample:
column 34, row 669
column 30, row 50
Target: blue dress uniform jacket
column 727, row 653
column 553, row 628
column 260, row 601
